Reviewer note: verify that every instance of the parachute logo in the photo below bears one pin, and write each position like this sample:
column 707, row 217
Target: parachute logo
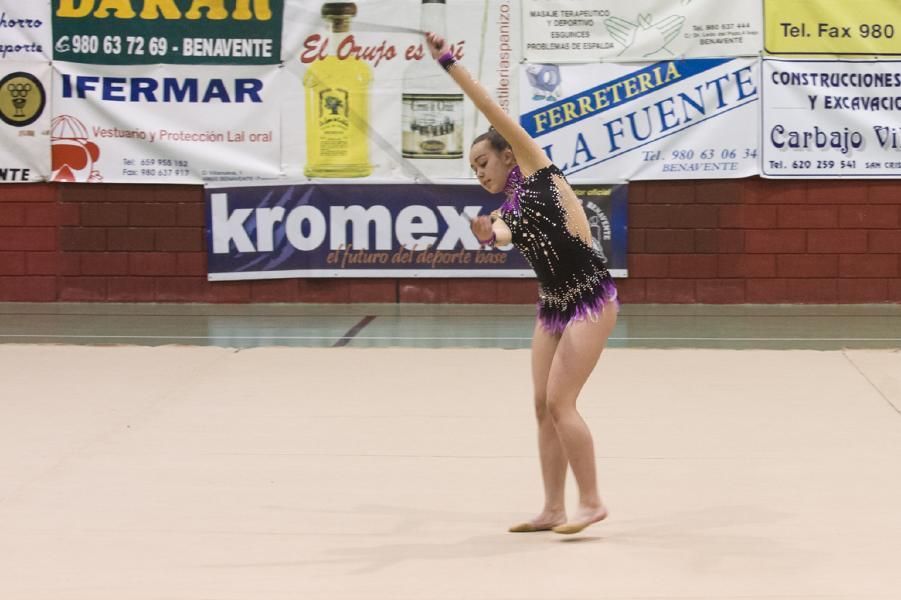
column 73, row 154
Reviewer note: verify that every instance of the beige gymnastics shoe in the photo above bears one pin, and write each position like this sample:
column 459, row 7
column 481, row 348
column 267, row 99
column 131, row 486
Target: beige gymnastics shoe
column 530, row 528
column 576, row 527
column 570, row 528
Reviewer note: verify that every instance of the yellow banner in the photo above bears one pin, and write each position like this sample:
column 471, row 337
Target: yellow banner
column 833, row 26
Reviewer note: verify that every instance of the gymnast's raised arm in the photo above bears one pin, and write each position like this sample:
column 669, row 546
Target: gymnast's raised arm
column 529, row 155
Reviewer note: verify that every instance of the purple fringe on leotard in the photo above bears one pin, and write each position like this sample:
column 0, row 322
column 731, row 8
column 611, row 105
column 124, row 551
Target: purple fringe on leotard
column 588, row 306
column 512, row 190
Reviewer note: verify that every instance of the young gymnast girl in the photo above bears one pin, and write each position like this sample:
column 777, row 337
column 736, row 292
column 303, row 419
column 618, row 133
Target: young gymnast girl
column 577, row 303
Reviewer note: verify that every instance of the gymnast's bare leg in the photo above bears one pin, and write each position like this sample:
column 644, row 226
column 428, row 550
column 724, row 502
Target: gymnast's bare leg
column 550, row 450
column 577, row 353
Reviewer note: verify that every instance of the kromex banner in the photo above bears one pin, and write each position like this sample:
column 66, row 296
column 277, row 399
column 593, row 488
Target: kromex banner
column 390, row 230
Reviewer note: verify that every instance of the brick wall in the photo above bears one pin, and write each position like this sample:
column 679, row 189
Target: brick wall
column 694, row 241
column 765, row 241
column 29, row 247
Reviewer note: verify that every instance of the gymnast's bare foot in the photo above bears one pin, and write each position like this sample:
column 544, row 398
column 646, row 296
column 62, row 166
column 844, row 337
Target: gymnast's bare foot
column 585, row 516
column 545, row 521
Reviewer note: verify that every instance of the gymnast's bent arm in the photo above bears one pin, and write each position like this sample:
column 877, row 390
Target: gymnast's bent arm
column 529, row 155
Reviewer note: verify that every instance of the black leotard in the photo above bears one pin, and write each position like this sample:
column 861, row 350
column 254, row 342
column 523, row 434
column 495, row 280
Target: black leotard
column 574, row 280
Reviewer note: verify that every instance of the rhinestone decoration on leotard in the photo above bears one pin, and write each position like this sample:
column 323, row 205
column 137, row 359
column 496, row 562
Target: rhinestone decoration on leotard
column 574, row 279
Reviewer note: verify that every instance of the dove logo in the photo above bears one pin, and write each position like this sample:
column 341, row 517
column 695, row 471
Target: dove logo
column 645, row 37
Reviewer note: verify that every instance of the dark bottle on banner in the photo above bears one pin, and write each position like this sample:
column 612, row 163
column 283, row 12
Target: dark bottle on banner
column 337, row 106
column 432, row 113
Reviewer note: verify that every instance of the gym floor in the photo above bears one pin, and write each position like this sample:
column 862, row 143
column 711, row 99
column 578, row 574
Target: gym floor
column 276, row 452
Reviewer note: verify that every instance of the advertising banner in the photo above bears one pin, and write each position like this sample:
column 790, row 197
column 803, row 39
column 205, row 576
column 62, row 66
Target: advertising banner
column 576, row 31
column 24, row 121
column 25, row 31
column 165, row 124
column 831, row 118
column 391, row 230
column 663, row 120
column 366, row 99
column 141, row 32
column 867, row 27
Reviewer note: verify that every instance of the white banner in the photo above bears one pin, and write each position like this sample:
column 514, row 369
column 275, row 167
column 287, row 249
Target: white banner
column 831, row 118
column 570, row 31
column 24, row 121
column 165, row 124
column 25, row 30
column 405, row 118
column 687, row 119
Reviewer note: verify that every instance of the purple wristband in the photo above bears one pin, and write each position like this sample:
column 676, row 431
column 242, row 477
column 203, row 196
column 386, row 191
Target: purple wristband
column 447, row 60
column 490, row 241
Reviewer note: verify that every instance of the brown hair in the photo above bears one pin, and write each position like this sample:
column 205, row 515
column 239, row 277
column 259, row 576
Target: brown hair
column 496, row 140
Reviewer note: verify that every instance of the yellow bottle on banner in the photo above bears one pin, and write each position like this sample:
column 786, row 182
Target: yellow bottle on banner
column 337, row 107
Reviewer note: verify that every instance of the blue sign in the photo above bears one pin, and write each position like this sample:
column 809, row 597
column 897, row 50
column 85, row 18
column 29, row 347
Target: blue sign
column 379, row 230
